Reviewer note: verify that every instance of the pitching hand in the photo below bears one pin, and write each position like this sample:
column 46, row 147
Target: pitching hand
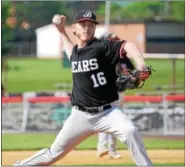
column 59, row 22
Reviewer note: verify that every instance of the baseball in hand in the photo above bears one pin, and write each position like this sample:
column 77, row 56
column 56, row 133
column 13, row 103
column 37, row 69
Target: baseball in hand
column 56, row 19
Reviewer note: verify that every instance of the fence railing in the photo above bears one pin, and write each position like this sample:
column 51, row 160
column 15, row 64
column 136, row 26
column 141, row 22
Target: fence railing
column 20, row 49
column 151, row 114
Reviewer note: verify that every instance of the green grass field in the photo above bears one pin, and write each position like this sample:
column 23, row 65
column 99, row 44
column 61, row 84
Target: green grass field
column 38, row 141
column 31, row 74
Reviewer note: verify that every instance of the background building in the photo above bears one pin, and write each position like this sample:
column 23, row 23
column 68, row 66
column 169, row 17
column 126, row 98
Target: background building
column 149, row 36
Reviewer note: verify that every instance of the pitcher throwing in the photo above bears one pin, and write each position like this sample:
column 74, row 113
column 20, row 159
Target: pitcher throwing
column 94, row 91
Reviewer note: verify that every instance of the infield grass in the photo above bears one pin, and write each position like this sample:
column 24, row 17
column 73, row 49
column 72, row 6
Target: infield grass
column 31, row 74
column 39, row 141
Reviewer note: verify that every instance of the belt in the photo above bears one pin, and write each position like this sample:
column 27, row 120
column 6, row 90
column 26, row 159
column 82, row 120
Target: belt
column 93, row 110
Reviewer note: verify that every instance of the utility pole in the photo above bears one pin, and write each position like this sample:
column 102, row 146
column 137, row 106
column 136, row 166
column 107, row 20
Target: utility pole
column 107, row 14
column 166, row 7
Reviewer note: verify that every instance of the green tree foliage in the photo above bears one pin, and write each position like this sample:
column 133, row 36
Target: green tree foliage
column 38, row 13
column 115, row 10
column 34, row 14
column 6, row 32
column 177, row 11
column 145, row 10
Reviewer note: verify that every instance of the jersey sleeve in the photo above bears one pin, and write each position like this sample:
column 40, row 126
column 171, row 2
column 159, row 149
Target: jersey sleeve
column 113, row 50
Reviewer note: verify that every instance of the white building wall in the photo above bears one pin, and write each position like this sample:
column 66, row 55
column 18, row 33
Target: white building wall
column 48, row 42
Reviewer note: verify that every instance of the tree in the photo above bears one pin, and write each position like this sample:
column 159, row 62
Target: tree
column 7, row 22
column 114, row 10
column 177, row 11
column 6, row 34
column 40, row 13
column 34, row 14
column 145, row 10
column 37, row 13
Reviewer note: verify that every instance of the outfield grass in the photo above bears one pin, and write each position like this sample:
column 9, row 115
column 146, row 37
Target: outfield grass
column 38, row 141
column 35, row 75
column 31, row 74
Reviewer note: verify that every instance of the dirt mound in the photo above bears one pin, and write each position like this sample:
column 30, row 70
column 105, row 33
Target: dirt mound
column 88, row 157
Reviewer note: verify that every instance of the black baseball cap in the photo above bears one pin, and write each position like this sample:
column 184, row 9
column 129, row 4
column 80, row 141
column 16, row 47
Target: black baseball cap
column 85, row 15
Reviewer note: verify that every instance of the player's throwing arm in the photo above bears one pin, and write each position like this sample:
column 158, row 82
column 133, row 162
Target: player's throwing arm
column 59, row 22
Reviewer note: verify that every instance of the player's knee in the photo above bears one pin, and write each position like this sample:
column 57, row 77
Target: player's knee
column 127, row 133
column 131, row 131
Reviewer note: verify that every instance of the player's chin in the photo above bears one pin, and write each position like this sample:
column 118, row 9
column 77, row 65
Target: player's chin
column 87, row 37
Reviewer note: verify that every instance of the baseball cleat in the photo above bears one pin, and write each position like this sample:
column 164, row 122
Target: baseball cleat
column 102, row 152
column 114, row 155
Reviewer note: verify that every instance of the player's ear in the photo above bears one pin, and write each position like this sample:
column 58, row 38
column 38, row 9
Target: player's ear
column 73, row 27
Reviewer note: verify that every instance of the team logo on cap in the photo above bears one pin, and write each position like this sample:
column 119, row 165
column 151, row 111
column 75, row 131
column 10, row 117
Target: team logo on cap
column 88, row 14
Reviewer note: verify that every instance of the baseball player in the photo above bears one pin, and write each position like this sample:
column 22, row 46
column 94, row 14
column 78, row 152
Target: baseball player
column 94, row 91
column 107, row 142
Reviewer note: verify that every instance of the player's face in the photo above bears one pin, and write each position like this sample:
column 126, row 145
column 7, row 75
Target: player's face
column 84, row 30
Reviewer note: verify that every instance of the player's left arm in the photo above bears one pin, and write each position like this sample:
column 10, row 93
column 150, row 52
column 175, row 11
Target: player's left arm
column 115, row 51
column 133, row 53
column 136, row 78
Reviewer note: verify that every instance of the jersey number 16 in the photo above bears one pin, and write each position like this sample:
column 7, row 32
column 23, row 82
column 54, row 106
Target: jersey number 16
column 98, row 79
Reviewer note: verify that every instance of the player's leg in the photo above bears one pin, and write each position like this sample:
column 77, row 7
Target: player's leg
column 112, row 147
column 118, row 123
column 75, row 130
column 112, row 143
column 102, row 144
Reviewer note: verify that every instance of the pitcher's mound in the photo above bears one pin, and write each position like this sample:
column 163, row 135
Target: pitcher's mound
column 88, row 157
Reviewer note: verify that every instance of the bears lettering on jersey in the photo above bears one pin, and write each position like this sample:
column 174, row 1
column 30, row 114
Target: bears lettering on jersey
column 84, row 65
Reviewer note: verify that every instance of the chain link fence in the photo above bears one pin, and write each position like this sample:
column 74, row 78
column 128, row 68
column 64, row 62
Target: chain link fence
column 20, row 49
column 166, row 118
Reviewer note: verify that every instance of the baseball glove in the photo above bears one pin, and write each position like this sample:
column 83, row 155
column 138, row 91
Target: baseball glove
column 135, row 79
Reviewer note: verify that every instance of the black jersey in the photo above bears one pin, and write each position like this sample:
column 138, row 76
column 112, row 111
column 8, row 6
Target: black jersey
column 94, row 76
